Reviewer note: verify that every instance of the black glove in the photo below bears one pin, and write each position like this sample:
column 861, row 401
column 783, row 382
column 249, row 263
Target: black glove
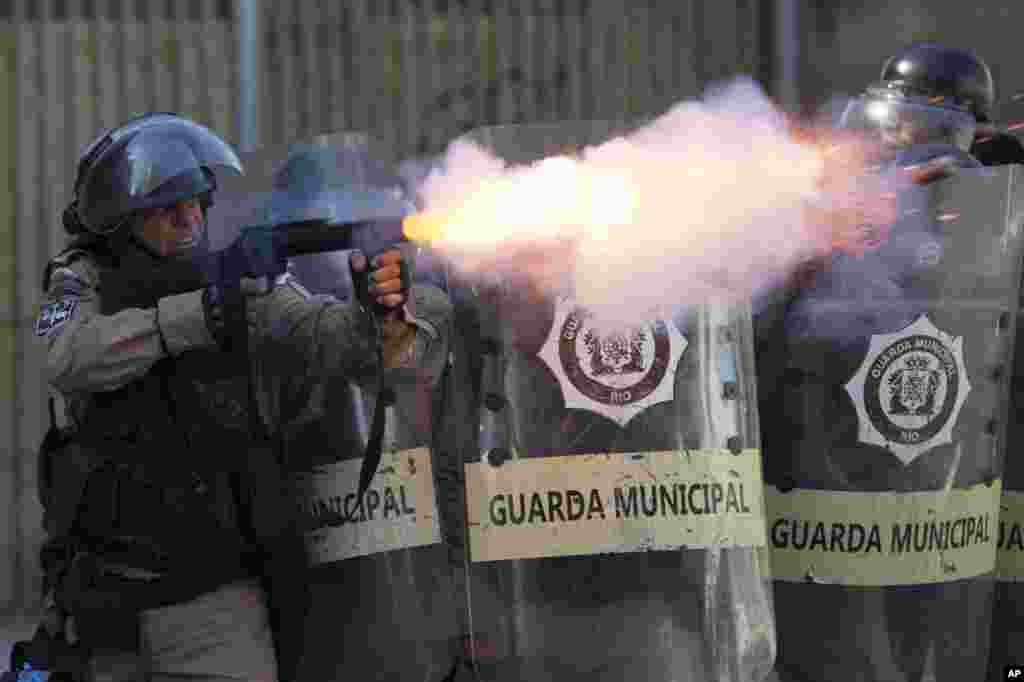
column 213, row 310
column 393, row 276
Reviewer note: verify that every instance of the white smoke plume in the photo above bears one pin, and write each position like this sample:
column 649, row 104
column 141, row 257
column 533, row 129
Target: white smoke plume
column 714, row 198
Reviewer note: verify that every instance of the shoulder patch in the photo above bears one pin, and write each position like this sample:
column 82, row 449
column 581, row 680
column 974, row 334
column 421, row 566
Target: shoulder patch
column 53, row 315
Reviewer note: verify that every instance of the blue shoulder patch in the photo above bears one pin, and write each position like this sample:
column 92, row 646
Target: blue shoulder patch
column 53, row 315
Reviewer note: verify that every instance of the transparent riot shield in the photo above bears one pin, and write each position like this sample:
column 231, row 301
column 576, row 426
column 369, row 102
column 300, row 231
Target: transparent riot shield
column 614, row 496
column 882, row 383
column 383, row 602
column 1007, row 621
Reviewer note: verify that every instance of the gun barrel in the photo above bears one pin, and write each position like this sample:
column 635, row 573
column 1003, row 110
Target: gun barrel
column 369, row 236
column 303, row 239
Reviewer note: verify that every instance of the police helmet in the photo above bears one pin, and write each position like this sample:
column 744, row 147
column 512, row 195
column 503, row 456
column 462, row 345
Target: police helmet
column 927, row 94
column 154, row 160
column 340, row 179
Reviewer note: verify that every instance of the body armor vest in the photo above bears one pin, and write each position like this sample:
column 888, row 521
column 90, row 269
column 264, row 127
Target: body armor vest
column 173, row 443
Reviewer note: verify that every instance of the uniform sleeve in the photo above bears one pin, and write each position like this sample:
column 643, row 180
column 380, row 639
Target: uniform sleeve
column 430, row 314
column 316, row 336
column 87, row 351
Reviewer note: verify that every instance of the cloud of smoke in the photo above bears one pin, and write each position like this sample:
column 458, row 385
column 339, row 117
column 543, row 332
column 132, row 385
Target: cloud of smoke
column 714, row 198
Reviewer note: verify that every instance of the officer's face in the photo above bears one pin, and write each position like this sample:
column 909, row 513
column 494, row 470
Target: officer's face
column 172, row 230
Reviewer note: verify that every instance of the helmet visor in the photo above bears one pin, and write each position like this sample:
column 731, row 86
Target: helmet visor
column 905, row 121
column 144, row 166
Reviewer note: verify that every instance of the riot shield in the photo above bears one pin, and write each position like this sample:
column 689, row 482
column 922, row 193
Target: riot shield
column 614, row 496
column 383, row 602
column 1007, row 626
column 883, row 385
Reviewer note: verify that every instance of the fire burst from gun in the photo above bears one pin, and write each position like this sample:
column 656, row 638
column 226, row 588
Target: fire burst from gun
column 713, row 199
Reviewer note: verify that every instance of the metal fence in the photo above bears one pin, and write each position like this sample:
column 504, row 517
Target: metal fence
column 415, row 72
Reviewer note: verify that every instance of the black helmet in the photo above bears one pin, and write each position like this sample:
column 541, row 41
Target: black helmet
column 928, row 94
column 340, row 179
column 153, row 160
column 949, row 75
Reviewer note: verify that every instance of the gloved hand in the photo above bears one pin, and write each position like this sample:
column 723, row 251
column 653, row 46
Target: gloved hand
column 213, row 305
column 213, row 310
column 382, row 286
column 382, row 283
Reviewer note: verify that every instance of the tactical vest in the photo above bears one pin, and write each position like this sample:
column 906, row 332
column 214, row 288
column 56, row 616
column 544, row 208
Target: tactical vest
column 168, row 450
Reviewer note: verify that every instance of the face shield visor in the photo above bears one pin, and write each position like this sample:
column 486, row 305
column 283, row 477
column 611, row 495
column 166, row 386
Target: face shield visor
column 153, row 163
column 902, row 121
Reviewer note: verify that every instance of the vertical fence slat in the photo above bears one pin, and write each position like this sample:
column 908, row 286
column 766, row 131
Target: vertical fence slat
column 134, row 73
column 310, row 80
column 189, row 79
column 560, row 54
column 412, row 26
column 215, row 61
column 434, row 78
column 507, row 26
column 547, row 52
column 373, row 72
column 209, row 73
column 662, row 54
column 618, row 60
column 393, row 58
column 28, row 242
column 573, row 36
column 528, row 62
column 350, row 69
column 157, row 53
column 685, row 35
column 108, row 64
column 460, row 79
column 747, row 35
column 637, row 62
column 334, row 66
column 289, row 81
column 356, row 76
column 380, row 64
column 55, row 139
column 85, row 112
column 226, row 52
column 272, row 114
column 466, row 25
column 599, row 28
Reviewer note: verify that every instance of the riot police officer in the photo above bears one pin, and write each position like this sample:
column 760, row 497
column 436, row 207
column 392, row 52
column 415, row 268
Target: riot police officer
column 923, row 113
column 157, row 509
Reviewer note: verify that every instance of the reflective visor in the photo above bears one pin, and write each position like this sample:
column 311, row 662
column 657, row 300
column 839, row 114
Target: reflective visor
column 143, row 162
column 904, row 121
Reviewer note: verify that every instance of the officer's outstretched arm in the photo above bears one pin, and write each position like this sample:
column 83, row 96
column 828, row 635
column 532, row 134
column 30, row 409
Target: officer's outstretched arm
column 91, row 352
column 330, row 337
column 417, row 338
